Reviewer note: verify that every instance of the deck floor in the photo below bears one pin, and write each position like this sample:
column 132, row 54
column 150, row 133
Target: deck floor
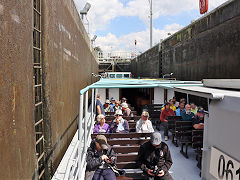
column 182, row 168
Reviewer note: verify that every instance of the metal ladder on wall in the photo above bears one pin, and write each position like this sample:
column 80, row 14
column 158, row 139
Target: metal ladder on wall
column 37, row 89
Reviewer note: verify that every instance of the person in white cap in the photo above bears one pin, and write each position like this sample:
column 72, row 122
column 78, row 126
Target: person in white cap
column 126, row 110
column 144, row 125
column 107, row 106
column 154, row 158
column 119, row 125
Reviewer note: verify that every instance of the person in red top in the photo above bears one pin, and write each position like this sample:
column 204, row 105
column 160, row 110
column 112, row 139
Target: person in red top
column 163, row 118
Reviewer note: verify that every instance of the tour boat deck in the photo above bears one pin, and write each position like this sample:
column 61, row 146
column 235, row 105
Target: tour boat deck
column 182, row 168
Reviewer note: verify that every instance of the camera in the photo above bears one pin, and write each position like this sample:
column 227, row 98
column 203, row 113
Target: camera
column 105, row 153
column 156, row 170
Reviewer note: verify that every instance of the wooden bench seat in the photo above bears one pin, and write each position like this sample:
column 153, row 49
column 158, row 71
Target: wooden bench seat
column 197, row 143
column 183, row 132
column 123, row 135
column 126, row 147
column 171, row 127
column 136, row 118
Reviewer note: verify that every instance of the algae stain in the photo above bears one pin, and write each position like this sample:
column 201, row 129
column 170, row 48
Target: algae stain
column 14, row 110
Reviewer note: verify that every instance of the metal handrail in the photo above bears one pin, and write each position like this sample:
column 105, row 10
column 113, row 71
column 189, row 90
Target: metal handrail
column 76, row 164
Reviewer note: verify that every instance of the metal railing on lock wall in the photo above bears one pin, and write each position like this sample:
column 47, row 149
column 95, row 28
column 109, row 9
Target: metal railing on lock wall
column 77, row 162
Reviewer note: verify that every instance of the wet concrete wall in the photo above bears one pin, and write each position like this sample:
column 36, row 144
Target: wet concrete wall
column 17, row 138
column 207, row 48
column 67, row 66
column 147, row 64
column 118, row 67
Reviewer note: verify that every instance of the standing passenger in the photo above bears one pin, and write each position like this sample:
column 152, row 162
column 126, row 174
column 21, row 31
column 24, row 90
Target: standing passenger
column 144, row 125
column 99, row 106
column 119, row 125
column 163, row 118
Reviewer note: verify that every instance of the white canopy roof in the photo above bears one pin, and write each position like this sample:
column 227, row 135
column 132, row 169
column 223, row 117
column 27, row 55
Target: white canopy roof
column 211, row 93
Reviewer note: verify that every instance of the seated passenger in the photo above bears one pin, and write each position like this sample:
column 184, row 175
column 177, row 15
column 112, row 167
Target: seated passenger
column 119, row 125
column 144, row 125
column 183, row 100
column 126, row 110
column 112, row 104
column 194, row 108
column 117, row 106
column 188, row 115
column 124, row 100
column 171, row 105
column 198, row 122
column 175, row 102
column 101, row 126
column 155, row 155
column 107, row 106
column 100, row 156
column 163, row 118
column 180, row 110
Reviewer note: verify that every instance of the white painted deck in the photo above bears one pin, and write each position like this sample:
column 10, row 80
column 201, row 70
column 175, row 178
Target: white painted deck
column 182, row 168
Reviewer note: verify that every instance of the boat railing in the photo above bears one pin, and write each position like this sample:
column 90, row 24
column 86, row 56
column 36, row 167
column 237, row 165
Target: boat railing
column 73, row 163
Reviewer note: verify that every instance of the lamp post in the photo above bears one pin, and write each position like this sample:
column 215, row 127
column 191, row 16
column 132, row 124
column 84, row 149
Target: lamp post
column 93, row 39
column 84, row 11
column 150, row 1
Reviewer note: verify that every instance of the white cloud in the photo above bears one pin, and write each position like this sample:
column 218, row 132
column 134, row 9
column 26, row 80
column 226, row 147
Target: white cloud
column 112, row 43
column 103, row 11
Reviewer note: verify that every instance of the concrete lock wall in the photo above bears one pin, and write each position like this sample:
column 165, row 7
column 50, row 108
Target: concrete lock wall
column 17, row 138
column 147, row 64
column 67, row 66
column 207, row 48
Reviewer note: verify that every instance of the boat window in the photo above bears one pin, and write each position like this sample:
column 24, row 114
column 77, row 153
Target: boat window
column 119, row 75
column 126, row 75
column 112, row 75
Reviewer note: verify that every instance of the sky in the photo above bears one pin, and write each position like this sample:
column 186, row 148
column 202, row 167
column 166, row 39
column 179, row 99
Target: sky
column 118, row 23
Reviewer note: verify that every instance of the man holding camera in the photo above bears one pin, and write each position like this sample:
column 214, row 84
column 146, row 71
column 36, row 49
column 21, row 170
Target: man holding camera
column 100, row 160
column 154, row 158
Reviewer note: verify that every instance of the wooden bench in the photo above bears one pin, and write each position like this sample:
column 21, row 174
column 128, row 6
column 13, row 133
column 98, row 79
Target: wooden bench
column 126, row 147
column 154, row 111
column 197, row 143
column 110, row 118
column 136, row 118
column 109, row 113
column 134, row 113
column 171, row 127
column 183, row 131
